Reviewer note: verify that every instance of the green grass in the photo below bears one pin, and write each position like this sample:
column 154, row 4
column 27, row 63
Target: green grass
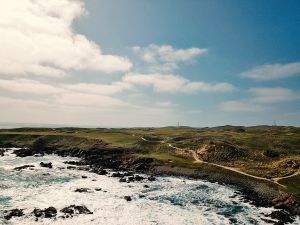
column 251, row 143
column 293, row 185
column 115, row 138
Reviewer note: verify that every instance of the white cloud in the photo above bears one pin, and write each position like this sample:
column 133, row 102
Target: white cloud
column 88, row 100
column 29, row 86
column 174, row 83
column 272, row 95
column 102, row 89
column 37, row 38
column 241, row 106
column 165, row 58
column 167, row 104
column 261, row 99
column 273, row 71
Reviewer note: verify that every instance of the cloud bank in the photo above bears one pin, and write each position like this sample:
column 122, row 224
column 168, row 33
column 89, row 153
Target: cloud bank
column 37, row 38
column 273, row 71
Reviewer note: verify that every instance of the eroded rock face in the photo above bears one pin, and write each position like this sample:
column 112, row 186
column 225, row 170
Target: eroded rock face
column 76, row 209
column 13, row 213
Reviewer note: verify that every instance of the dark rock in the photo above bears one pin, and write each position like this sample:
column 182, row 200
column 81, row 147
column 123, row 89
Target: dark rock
column 102, row 172
column 71, row 167
column 47, row 213
column 282, row 216
column 80, row 190
column 23, row 167
column 76, row 209
column 13, row 213
column 151, row 178
column 50, row 212
column 127, row 174
column 138, row 178
column 117, row 174
column 130, row 179
column 23, row 152
column 98, row 189
column 48, row 165
column 146, row 186
column 84, row 177
column 127, row 198
column 122, row 179
column 38, row 212
column 2, row 152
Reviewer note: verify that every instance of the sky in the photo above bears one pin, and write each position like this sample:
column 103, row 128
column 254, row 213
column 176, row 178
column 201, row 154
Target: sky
column 130, row 63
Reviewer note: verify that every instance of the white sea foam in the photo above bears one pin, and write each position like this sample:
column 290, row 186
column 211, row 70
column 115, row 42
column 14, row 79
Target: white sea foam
column 169, row 200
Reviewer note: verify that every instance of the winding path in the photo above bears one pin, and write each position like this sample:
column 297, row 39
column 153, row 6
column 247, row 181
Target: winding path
column 274, row 180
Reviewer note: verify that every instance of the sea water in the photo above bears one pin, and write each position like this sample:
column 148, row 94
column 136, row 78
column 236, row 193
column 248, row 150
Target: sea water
column 168, row 200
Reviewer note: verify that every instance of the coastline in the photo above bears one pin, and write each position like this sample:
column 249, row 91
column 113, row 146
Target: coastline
column 258, row 193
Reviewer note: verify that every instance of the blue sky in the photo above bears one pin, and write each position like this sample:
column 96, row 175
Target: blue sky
column 150, row 63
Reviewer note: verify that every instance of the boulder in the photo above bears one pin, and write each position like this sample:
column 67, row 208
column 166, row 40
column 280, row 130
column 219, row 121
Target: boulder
column 50, row 212
column 127, row 198
column 13, row 213
column 38, row 212
column 76, row 209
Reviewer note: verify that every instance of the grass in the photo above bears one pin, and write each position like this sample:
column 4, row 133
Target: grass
column 114, row 137
column 293, row 185
column 251, row 143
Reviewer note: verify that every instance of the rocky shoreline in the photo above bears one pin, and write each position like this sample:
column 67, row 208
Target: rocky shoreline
column 99, row 160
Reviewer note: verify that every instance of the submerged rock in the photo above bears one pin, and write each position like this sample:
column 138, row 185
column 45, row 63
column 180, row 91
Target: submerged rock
column 76, row 209
column 23, row 167
column 48, row 165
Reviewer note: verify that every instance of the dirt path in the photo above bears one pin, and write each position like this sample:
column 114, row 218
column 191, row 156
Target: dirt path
column 197, row 160
column 203, row 148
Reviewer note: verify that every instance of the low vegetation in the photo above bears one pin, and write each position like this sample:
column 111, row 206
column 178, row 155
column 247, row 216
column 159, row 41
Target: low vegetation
column 264, row 151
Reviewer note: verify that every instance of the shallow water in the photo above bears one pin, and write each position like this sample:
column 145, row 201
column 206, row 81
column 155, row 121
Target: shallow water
column 168, row 200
